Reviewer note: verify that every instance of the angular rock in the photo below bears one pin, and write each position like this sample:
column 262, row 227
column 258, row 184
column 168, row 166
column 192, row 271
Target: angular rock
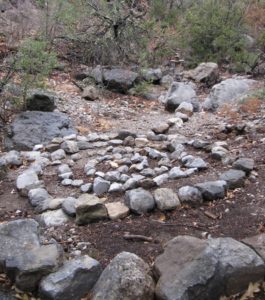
column 228, row 91
column 70, row 147
column 100, row 186
column 161, row 179
column 212, row 190
column 90, row 208
column 91, row 93
column 152, row 75
column 12, row 158
column 181, row 92
column 69, row 206
column 117, row 210
column 207, row 73
column 139, row 200
column 58, row 155
column 17, row 237
column 27, row 181
column 194, row 162
column 126, row 277
column 161, row 128
column 166, row 199
column 119, row 80
column 191, row 268
column 86, row 188
column 176, row 172
column 116, row 188
column 38, row 196
column 234, row 178
column 34, row 127
column 190, row 195
column 28, row 269
column 41, row 100
column 185, row 108
column 244, row 164
column 73, row 280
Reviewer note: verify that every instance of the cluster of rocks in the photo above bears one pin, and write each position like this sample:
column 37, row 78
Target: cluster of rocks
column 189, row 268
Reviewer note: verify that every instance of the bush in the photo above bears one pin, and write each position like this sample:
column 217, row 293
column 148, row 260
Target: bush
column 214, row 31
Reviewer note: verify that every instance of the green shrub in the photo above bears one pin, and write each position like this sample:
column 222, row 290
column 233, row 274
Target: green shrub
column 213, row 31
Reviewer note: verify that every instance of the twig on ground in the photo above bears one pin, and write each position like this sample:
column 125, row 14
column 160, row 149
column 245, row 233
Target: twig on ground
column 137, row 237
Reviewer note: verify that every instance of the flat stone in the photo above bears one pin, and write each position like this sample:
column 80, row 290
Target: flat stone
column 190, row 195
column 212, row 190
column 73, row 280
column 67, row 182
column 89, row 208
column 194, row 162
column 166, row 199
column 126, row 277
column 77, row 182
column 139, row 200
column 117, row 210
column 234, row 178
column 100, row 186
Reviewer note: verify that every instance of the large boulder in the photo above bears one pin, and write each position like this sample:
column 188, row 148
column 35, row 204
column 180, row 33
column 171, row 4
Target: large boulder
column 35, row 127
column 126, row 277
column 119, row 80
column 181, row 92
column 191, row 268
column 228, row 91
column 207, row 73
column 72, row 281
column 41, row 100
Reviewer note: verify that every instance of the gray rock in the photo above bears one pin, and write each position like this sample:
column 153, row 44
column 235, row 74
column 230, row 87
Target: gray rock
column 64, row 168
column 234, row 178
column 27, row 181
column 161, row 179
column 152, row 75
column 100, row 186
column 190, row 195
column 66, row 175
column 73, row 280
column 176, row 172
column 191, row 268
column 67, row 182
column 58, row 155
column 139, row 201
column 90, row 208
column 76, row 156
column 119, row 80
column 228, row 91
column 17, row 237
column 27, row 270
column 116, row 188
column 69, row 206
column 41, row 100
column 166, row 199
column 112, row 176
column 91, row 93
column 77, row 182
column 38, row 196
column 126, row 277
column 200, row 144
column 181, row 92
column 86, row 188
column 12, row 158
column 207, row 73
column 185, row 108
column 190, row 161
column 244, row 164
column 35, row 127
column 161, row 128
column 130, row 184
column 219, row 152
column 117, row 210
column 212, row 190
column 257, row 243
column 54, row 218
column 148, row 172
column 70, row 147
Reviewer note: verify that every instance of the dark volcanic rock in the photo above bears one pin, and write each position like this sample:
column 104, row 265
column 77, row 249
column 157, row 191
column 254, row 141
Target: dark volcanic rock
column 35, row 127
column 41, row 100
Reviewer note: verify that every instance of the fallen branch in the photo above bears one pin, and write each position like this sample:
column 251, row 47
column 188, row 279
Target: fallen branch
column 137, row 237
column 198, row 227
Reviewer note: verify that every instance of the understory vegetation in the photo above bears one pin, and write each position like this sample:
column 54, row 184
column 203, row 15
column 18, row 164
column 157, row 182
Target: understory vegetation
column 132, row 32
